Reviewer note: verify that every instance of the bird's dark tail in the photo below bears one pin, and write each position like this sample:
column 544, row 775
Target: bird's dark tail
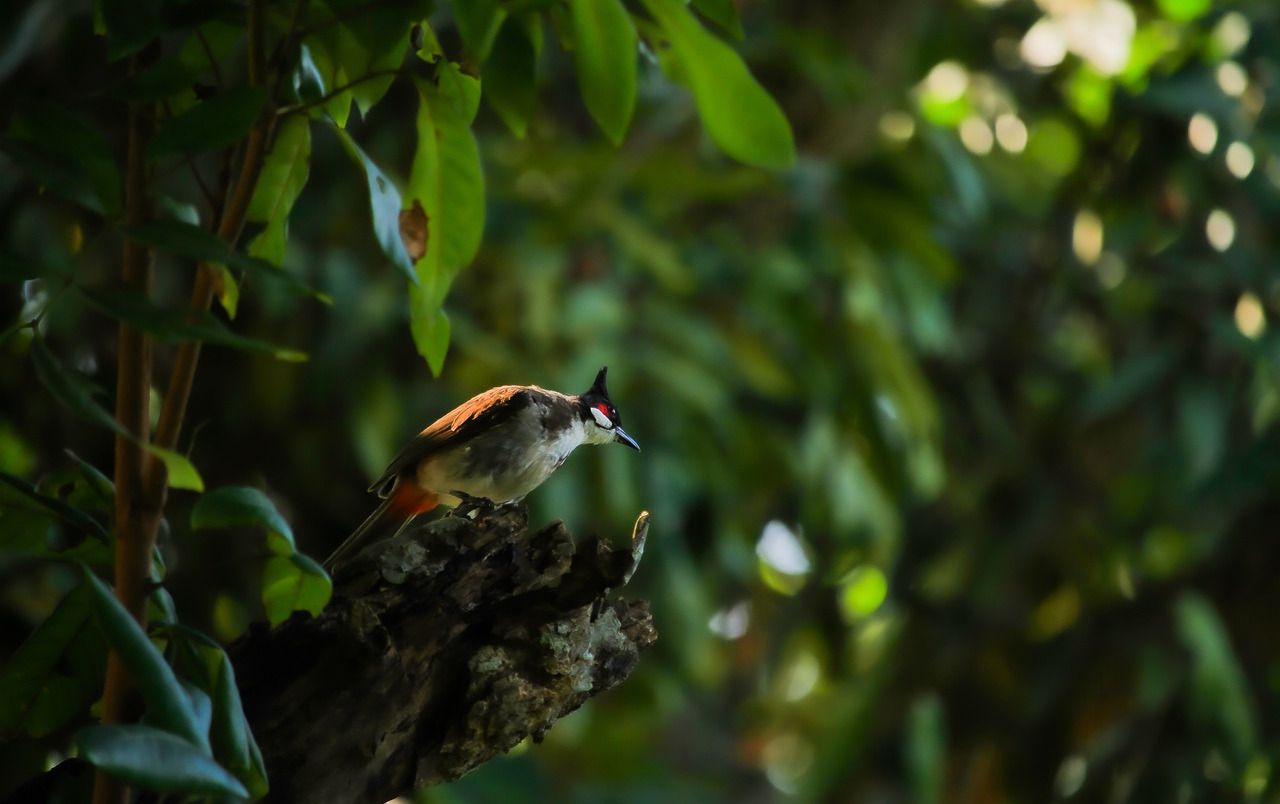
column 404, row 503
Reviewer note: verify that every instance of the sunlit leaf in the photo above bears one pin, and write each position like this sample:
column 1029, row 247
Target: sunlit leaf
column 739, row 114
column 294, row 583
column 446, row 181
column 279, row 184
column 182, row 472
column 168, row 705
column 217, row 122
column 155, row 759
column 430, row 329
column 1184, row 10
column 605, row 58
column 239, row 506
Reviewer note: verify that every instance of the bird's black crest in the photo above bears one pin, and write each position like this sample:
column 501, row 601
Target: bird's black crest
column 598, row 387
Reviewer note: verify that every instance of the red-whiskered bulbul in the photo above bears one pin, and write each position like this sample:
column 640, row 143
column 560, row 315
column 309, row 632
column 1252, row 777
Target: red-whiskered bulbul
column 494, row 448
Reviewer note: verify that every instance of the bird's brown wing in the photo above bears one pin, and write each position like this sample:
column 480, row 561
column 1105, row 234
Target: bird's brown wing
column 478, row 414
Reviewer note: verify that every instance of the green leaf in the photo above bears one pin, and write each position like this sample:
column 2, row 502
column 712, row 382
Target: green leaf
column 318, row 67
column 510, row 75
column 1184, row 11
column 17, row 268
column 294, row 583
column 229, row 288
column 182, row 472
column 724, row 13
column 30, row 529
column 201, row 703
column 178, row 326
column 447, row 182
column 739, row 114
column 30, row 686
column 129, row 24
column 68, row 156
column 168, row 705
column 384, row 201
column 192, row 241
column 238, row 506
column 284, row 173
column 446, row 178
column 430, row 329
column 926, row 750
column 478, row 22
column 59, row 509
column 605, row 55
column 164, row 79
column 68, row 389
column 217, row 122
column 153, row 759
column 1219, row 691
column 232, row 740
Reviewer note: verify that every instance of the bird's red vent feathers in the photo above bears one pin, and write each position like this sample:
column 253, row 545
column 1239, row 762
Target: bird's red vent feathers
column 408, row 500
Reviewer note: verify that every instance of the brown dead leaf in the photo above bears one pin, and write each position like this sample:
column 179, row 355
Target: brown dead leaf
column 413, row 230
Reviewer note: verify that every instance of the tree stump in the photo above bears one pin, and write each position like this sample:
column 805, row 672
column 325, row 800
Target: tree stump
column 441, row 649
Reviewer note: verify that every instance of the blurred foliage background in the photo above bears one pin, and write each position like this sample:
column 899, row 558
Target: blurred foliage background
column 960, row 437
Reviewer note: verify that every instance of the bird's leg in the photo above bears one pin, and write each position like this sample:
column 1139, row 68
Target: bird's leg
column 468, row 503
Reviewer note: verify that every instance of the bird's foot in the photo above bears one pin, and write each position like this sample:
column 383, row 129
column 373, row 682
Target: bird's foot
column 467, row 504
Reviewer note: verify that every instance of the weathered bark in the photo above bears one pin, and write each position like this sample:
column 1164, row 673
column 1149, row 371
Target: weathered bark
column 442, row 648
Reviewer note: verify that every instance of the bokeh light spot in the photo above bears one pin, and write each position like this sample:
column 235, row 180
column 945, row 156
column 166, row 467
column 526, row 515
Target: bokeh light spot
column 1202, row 133
column 1239, row 159
column 1011, row 133
column 976, row 136
column 1232, row 32
column 780, row 548
column 897, row 126
column 1251, row 319
column 947, row 81
column 1231, row 78
column 1086, row 236
column 1220, row 228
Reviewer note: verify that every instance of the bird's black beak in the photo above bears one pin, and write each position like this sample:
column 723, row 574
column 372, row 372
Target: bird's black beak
column 621, row 437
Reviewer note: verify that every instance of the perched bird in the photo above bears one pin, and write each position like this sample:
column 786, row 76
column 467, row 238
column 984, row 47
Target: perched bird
column 496, row 447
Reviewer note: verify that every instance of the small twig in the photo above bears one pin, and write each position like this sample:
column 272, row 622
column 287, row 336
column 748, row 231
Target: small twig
column 135, row 522
column 205, row 190
column 213, row 62
column 299, row 107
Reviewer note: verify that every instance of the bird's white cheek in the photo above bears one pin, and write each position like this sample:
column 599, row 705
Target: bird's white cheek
column 601, row 419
